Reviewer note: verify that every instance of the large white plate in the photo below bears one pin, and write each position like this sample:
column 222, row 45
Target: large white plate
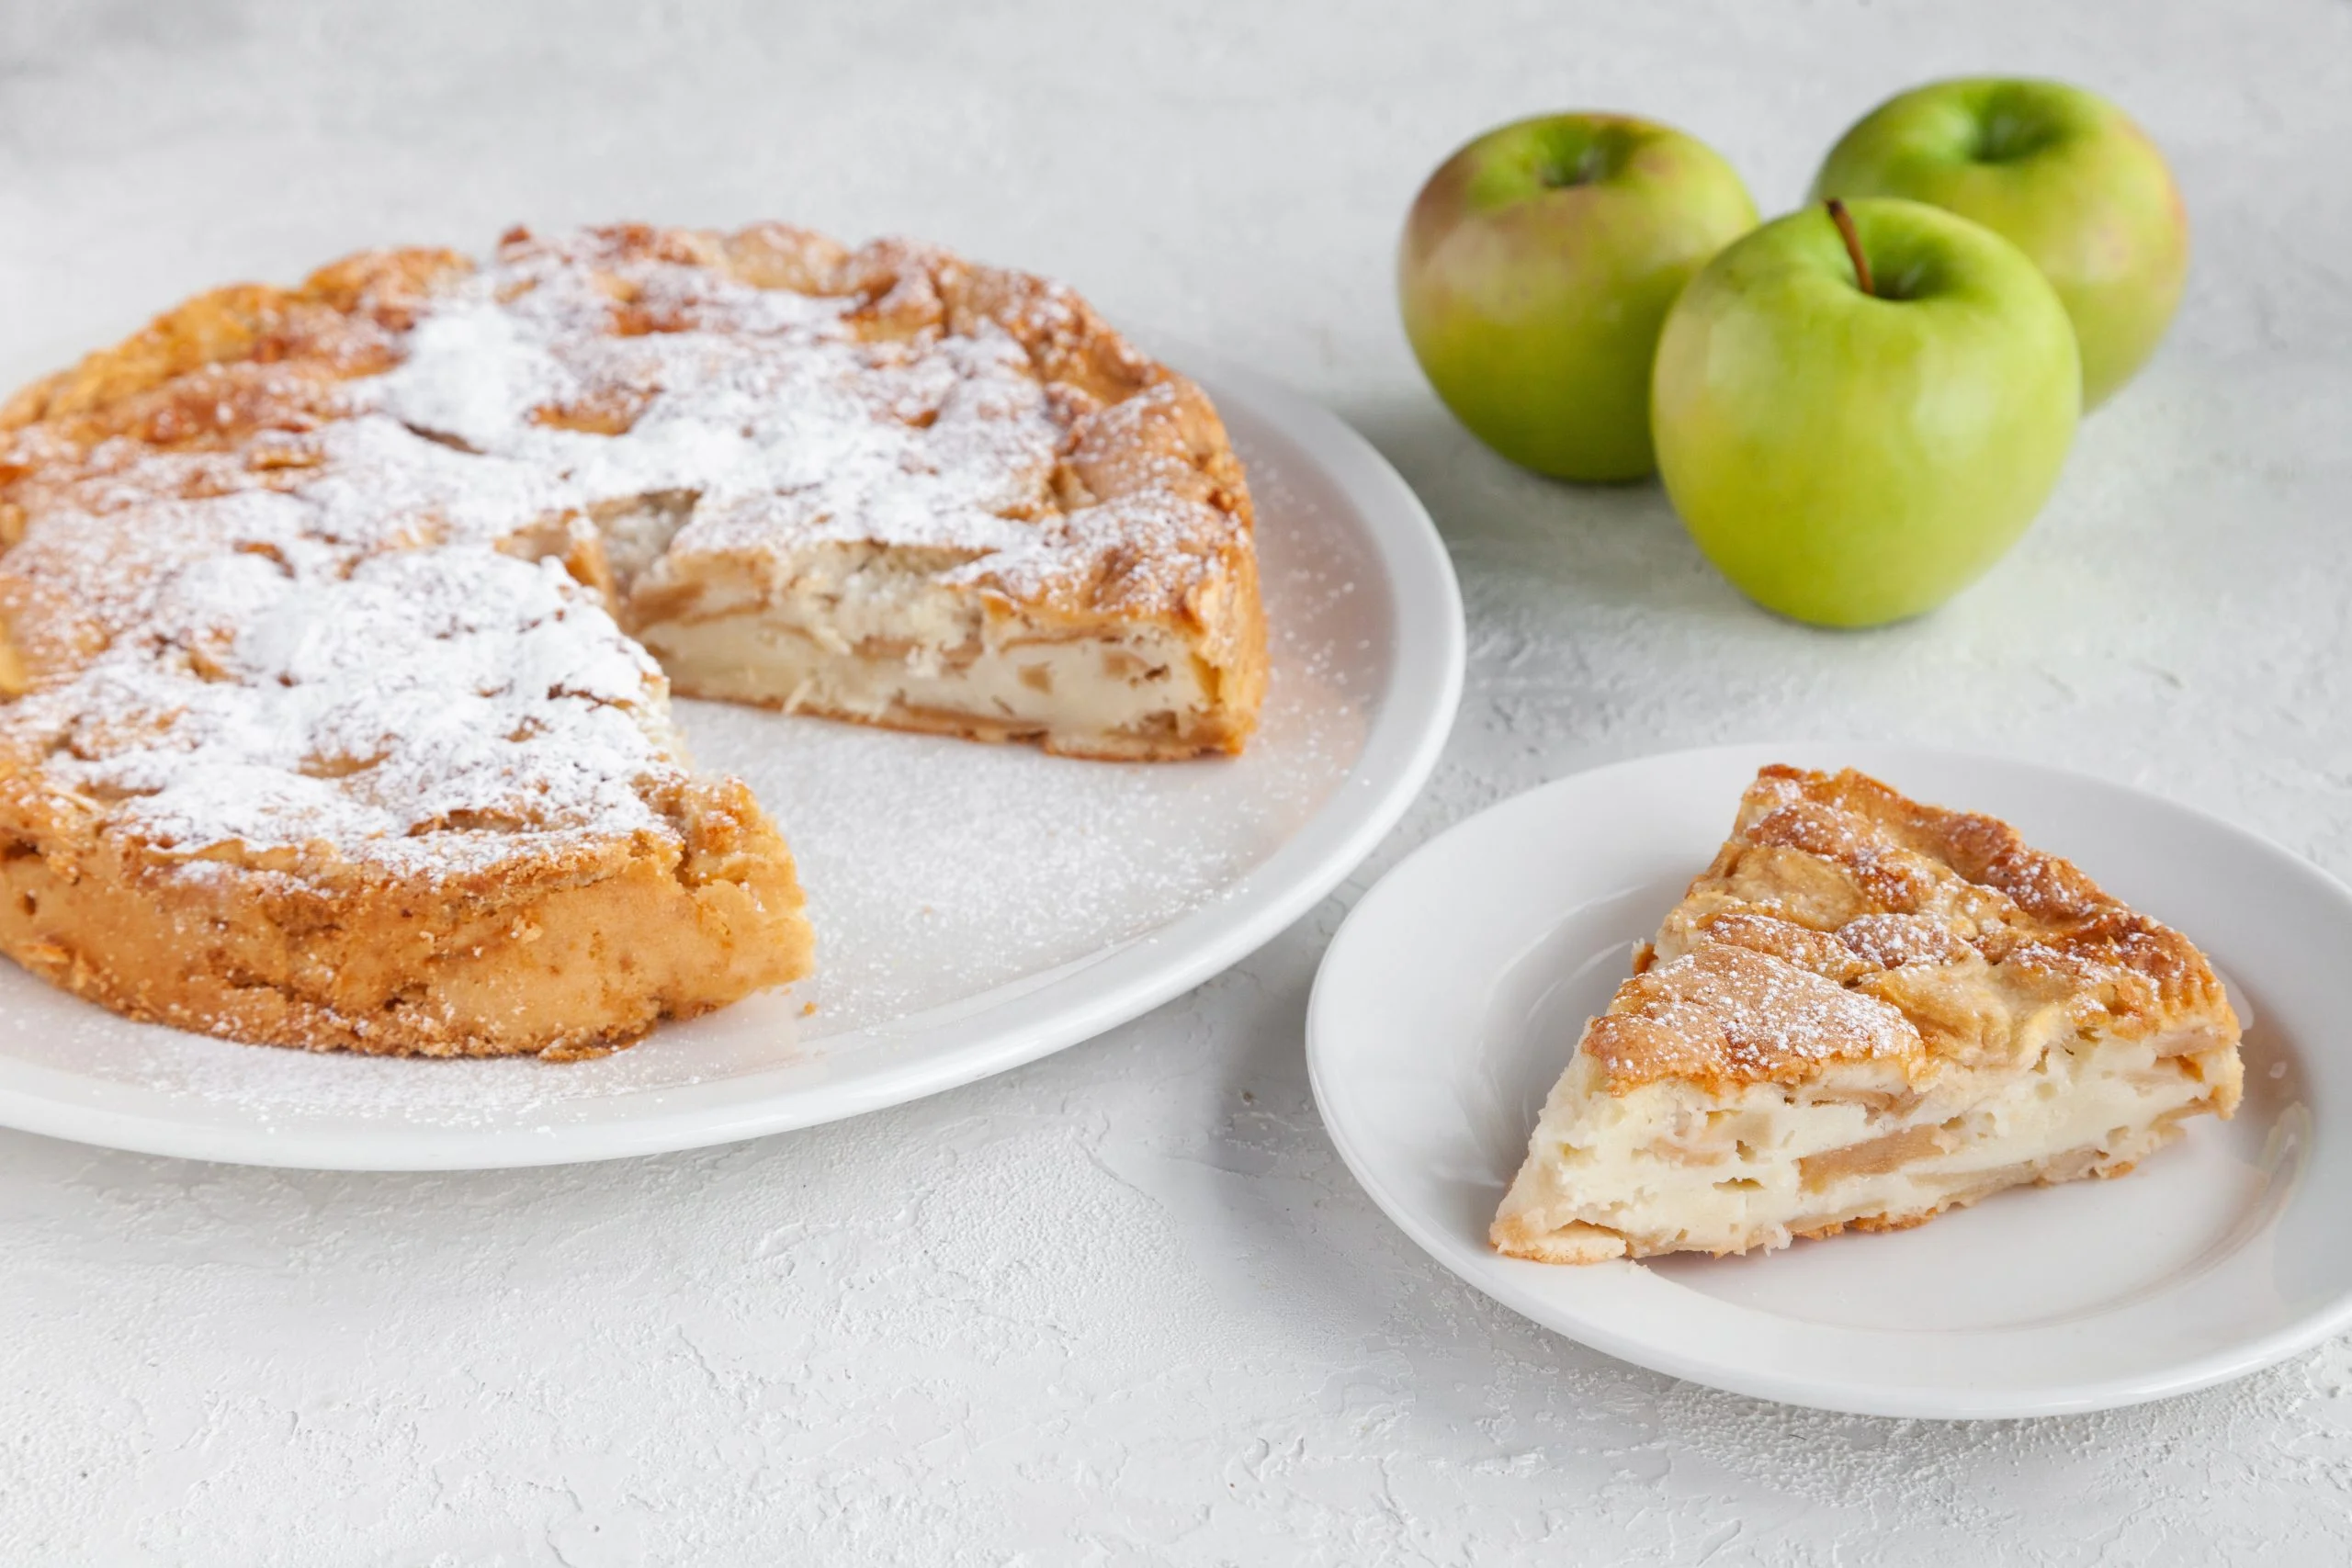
column 976, row 907
column 1456, row 991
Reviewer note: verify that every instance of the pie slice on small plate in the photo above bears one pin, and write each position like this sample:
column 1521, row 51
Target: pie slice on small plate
column 1864, row 1011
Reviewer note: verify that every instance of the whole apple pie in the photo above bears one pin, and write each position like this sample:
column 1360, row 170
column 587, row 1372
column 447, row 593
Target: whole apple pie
column 1867, row 1011
column 340, row 620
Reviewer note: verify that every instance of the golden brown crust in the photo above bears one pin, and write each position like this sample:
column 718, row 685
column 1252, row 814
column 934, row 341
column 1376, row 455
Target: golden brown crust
column 235, row 361
column 560, row 966
column 1950, row 936
column 1729, row 1013
column 1519, row 1236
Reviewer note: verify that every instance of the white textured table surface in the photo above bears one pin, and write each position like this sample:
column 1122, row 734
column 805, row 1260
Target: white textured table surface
column 1125, row 1305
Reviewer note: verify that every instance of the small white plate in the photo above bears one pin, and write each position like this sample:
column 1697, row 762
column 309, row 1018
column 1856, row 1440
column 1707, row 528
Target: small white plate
column 976, row 907
column 1457, row 989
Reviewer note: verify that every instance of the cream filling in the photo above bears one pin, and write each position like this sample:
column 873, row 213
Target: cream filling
column 869, row 631
column 1142, row 684
column 1674, row 1167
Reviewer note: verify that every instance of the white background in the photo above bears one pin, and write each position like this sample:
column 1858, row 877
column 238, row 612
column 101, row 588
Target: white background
column 1124, row 1306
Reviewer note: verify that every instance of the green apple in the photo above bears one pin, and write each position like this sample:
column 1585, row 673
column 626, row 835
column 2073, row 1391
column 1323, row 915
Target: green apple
column 1537, row 265
column 2060, row 171
column 1854, row 455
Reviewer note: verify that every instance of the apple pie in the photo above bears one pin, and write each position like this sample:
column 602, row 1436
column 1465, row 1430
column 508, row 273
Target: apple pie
column 338, row 623
column 1866, row 1011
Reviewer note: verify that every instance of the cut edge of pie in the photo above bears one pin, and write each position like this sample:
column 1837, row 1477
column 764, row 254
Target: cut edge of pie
column 1866, row 1011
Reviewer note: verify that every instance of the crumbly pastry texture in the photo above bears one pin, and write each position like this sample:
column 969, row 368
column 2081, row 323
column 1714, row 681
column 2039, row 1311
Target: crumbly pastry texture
column 340, row 620
column 1866, row 1011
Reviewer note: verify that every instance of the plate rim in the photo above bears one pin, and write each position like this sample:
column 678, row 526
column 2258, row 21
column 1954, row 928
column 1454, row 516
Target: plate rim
column 1412, row 716
column 1471, row 1265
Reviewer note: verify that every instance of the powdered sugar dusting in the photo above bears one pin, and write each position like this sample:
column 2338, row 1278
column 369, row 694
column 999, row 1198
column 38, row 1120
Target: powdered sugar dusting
column 1781, row 1016
column 281, row 672
column 769, row 408
column 460, row 692
column 1724, row 1011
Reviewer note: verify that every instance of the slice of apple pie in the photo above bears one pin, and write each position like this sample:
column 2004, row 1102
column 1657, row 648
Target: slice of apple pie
column 1866, row 1011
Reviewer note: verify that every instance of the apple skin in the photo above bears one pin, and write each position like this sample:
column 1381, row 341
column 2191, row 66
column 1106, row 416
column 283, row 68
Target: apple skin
column 2061, row 173
column 1536, row 267
column 1850, row 459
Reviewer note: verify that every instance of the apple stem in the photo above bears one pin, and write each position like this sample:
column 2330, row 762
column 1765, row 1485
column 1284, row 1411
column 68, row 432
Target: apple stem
column 1845, row 222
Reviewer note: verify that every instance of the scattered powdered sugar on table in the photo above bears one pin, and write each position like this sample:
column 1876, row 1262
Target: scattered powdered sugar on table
column 937, row 871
